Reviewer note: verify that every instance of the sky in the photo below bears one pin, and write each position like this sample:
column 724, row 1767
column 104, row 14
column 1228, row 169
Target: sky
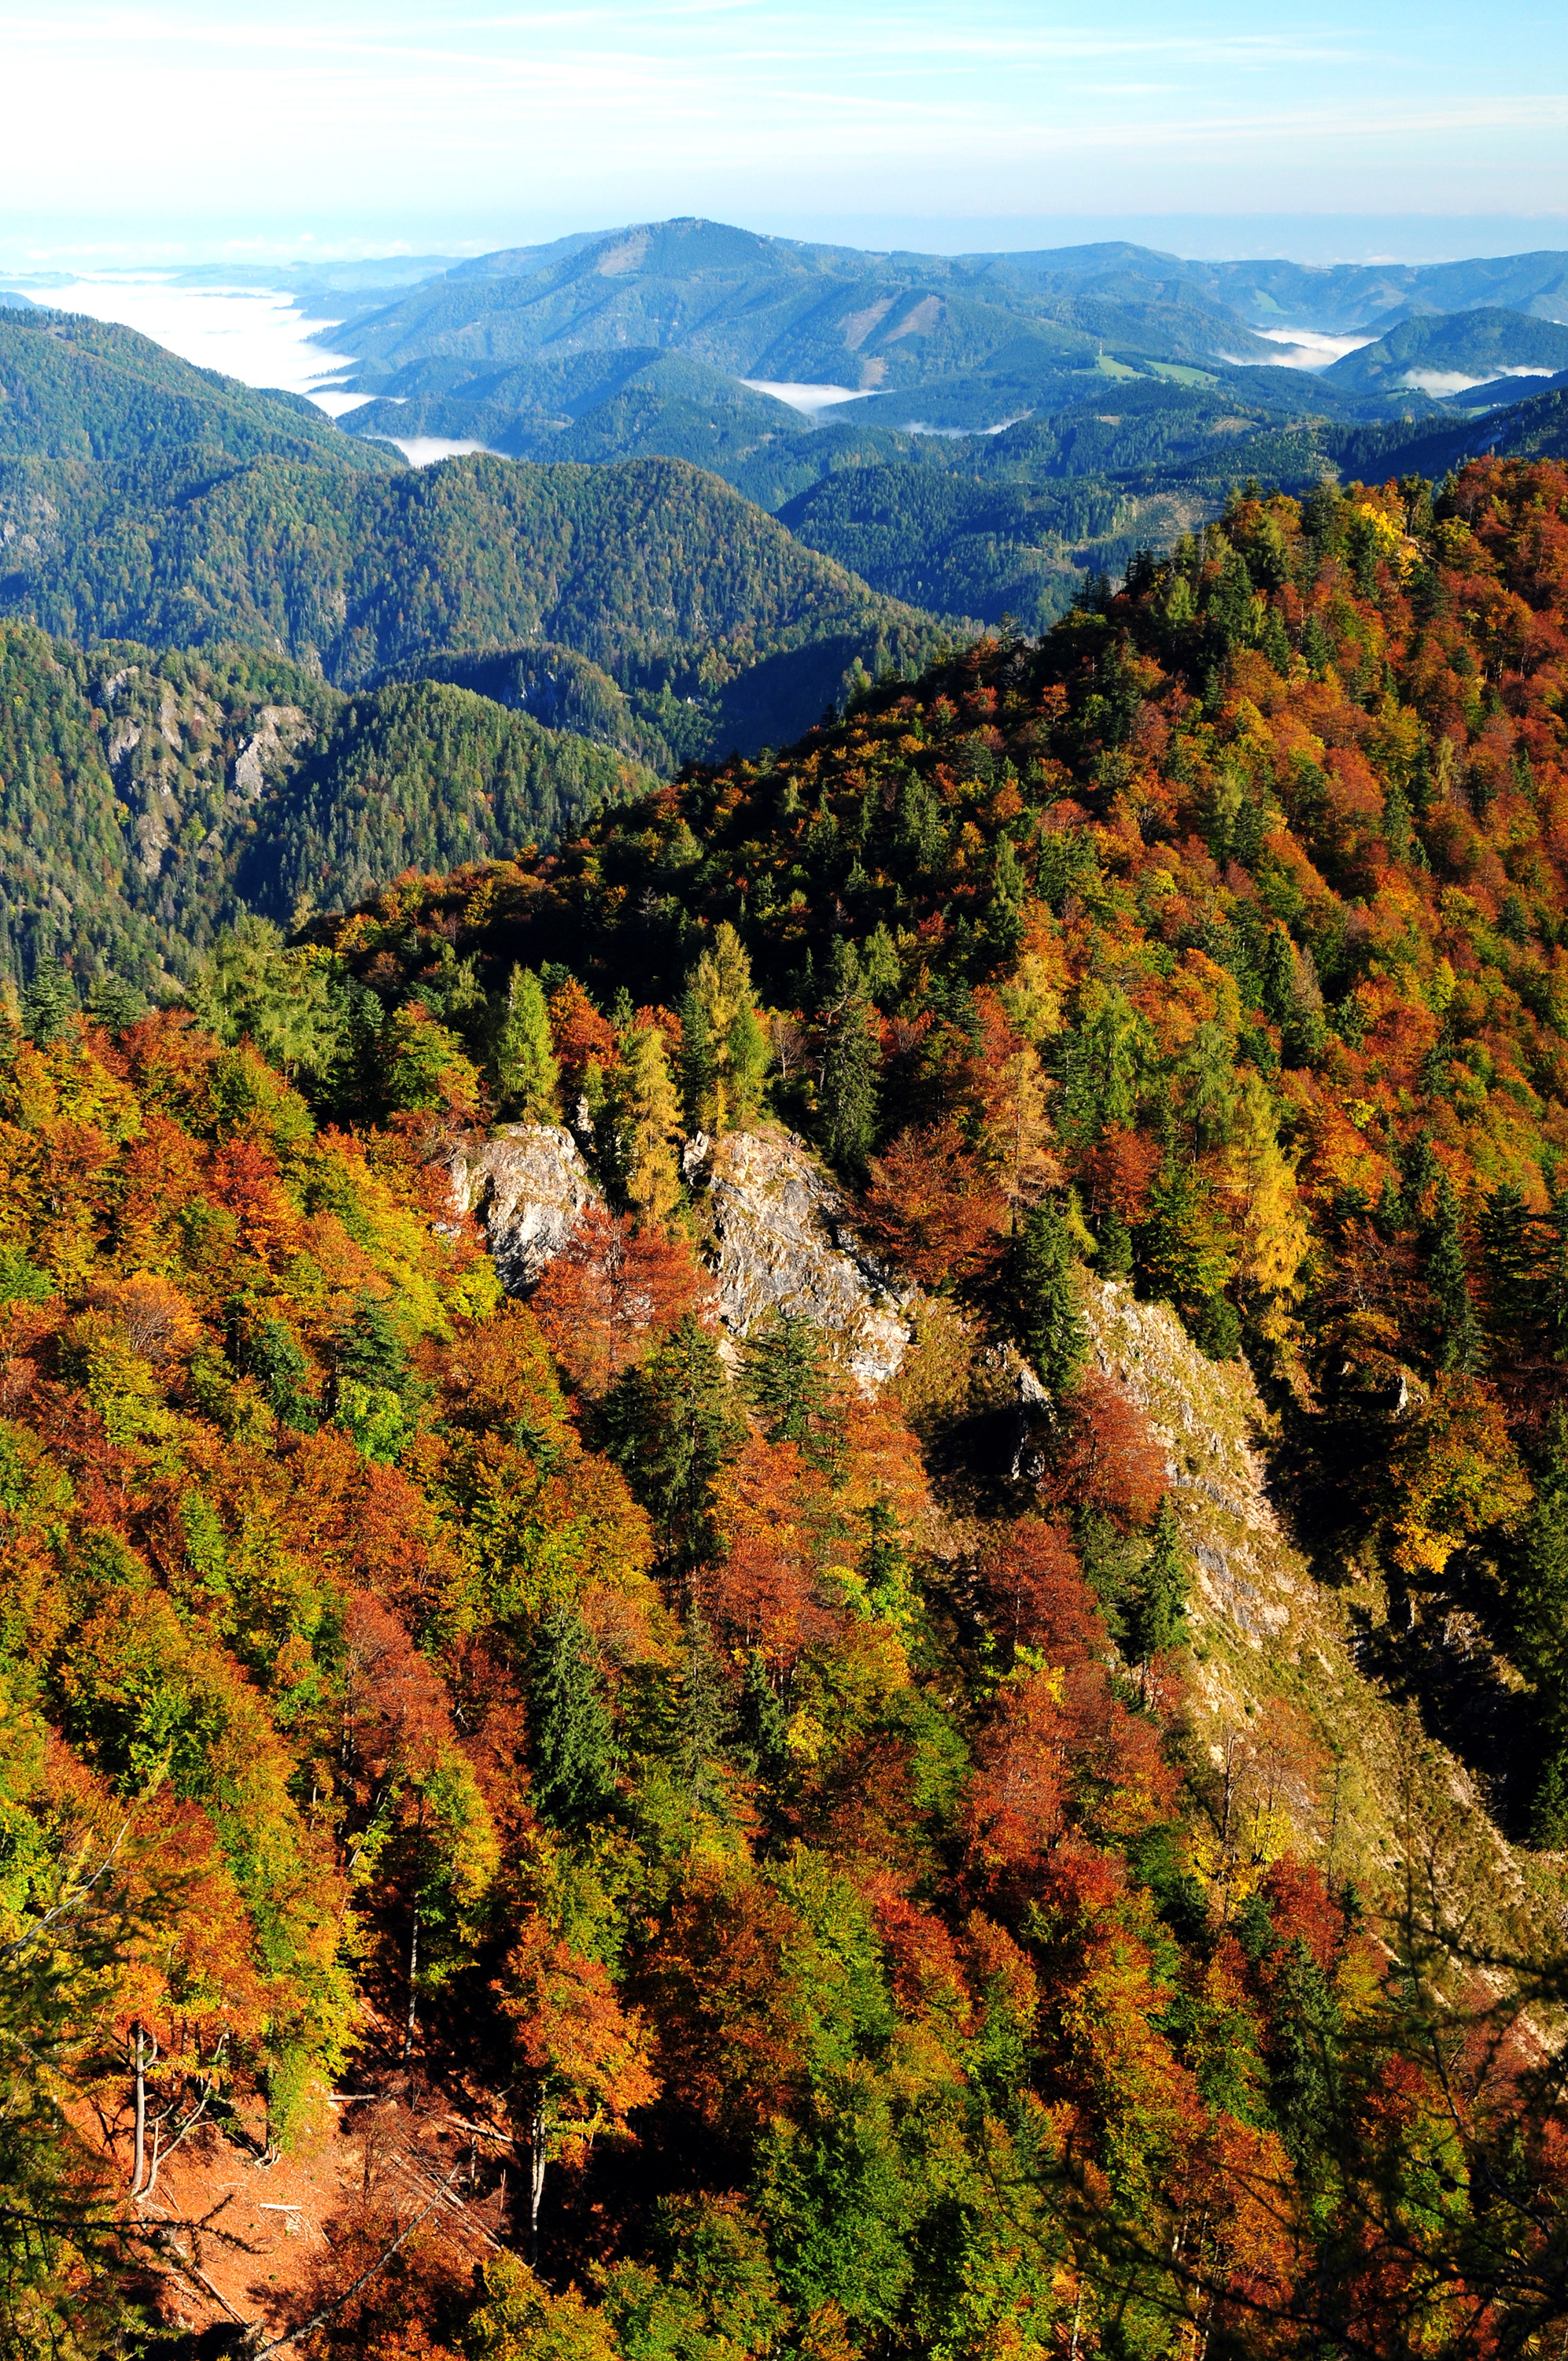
column 255, row 130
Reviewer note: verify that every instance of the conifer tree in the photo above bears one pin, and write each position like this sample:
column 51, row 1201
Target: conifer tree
column 1509, row 1261
column 1456, row 1332
column 699, row 1075
column 1160, row 1609
column 670, row 1425
column 785, row 1378
column 573, row 1734
column 852, row 1062
column 645, row 1118
column 705, row 1719
column 1050, row 1324
column 48, row 1004
column 762, row 1739
column 526, row 1070
column 1538, row 1598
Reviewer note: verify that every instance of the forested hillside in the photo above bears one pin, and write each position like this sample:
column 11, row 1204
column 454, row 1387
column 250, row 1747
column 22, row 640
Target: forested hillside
column 147, row 800
column 698, row 604
column 76, row 388
column 640, row 1845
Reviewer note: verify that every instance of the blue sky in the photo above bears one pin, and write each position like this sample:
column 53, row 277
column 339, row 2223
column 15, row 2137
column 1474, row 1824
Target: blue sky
column 205, row 128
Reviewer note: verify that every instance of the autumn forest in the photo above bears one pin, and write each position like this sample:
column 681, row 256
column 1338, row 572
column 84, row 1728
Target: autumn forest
column 593, row 1798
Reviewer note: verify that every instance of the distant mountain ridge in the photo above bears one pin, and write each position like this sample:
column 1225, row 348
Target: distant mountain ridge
column 142, row 498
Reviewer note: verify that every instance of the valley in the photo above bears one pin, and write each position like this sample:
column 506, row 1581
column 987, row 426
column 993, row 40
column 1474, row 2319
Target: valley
column 783, row 1313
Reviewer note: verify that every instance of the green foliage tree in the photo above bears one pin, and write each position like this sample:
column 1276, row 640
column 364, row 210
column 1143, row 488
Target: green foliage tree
column 49, row 1004
column 785, row 1378
column 670, row 1424
column 1159, row 1611
column 850, row 1090
column 526, row 1073
column 1457, row 1343
column 1051, row 1324
column 574, row 1739
column 699, row 1072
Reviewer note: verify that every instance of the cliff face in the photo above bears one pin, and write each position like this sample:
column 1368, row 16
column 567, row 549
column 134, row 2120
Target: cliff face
column 528, row 1185
column 1283, row 1706
column 775, row 1237
column 772, row 1228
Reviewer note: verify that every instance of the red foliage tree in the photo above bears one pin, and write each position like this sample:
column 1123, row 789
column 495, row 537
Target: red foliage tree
column 1109, row 1459
column 932, row 1208
column 612, row 1294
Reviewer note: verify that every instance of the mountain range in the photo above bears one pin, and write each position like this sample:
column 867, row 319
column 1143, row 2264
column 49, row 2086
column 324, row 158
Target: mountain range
column 787, row 1580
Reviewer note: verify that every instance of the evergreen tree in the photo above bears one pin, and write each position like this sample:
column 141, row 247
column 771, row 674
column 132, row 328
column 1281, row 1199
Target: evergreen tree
column 1539, row 1600
column 699, row 1075
column 1456, row 1332
column 670, row 1425
column 851, row 1064
column 524, row 1063
column 50, row 1005
column 1275, row 644
column 115, row 1004
column 1050, row 1324
column 275, row 1358
column 369, row 1351
column 762, row 1745
column 705, row 1720
column 1159, row 1611
column 785, row 1378
column 573, row 1734
column 1510, row 1263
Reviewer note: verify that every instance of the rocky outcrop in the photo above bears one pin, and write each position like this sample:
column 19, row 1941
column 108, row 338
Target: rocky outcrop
column 776, row 1239
column 278, row 730
column 528, row 1185
column 773, row 1229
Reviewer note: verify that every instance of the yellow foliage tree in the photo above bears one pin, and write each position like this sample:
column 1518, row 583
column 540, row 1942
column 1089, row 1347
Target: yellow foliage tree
column 721, row 987
column 1270, row 1224
column 1453, row 1473
column 646, row 1116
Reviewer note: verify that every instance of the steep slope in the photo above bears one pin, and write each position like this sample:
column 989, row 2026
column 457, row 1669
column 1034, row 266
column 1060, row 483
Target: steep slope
column 72, row 387
column 1259, row 865
column 147, row 800
column 656, row 572
column 960, row 1867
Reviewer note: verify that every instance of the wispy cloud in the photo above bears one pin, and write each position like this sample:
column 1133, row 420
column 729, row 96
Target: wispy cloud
column 635, row 108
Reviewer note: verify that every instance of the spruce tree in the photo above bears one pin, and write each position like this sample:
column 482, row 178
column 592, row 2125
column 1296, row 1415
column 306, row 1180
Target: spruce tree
column 49, row 1004
column 705, row 1720
column 1456, row 1332
column 275, row 1358
column 527, row 1075
column 1538, row 1593
column 762, row 1745
column 1509, row 1259
column 785, row 1378
column 1159, row 1611
column 670, row 1425
column 1049, row 1322
column 851, row 1063
column 699, row 1073
column 573, row 1735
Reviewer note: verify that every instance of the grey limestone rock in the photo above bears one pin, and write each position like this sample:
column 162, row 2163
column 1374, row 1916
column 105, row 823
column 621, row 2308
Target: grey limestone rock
column 528, row 1185
column 774, row 1233
column 777, row 1239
